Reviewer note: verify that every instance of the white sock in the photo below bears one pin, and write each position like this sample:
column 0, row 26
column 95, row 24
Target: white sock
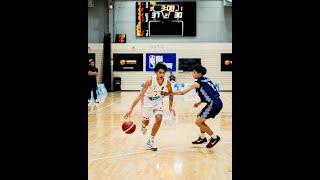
column 151, row 137
column 202, row 135
column 214, row 136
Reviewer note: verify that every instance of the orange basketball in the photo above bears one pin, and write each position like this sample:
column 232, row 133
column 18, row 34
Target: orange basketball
column 128, row 126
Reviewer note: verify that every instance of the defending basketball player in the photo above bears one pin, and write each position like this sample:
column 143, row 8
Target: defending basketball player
column 152, row 94
column 209, row 95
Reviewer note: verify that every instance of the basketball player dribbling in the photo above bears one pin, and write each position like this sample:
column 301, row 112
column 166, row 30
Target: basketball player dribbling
column 208, row 94
column 152, row 94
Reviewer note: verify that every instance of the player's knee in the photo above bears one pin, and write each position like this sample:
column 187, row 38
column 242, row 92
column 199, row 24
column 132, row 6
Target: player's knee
column 199, row 122
column 145, row 121
column 158, row 118
column 158, row 121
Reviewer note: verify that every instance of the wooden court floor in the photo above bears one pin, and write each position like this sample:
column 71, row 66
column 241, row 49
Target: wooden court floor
column 116, row 155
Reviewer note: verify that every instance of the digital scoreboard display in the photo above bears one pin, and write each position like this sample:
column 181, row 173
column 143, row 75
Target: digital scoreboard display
column 165, row 18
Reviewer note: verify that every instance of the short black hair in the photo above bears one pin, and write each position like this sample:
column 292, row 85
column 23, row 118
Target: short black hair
column 200, row 69
column 160, row 66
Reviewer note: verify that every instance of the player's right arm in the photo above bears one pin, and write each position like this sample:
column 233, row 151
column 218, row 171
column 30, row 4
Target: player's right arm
column 140, row 96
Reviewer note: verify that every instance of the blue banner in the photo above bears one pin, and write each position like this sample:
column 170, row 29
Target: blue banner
column 169, row 59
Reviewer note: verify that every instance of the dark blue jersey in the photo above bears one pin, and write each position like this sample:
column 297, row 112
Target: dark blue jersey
column 207, row 91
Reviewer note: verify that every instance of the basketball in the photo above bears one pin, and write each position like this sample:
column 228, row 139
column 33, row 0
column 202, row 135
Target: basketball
column 128, row 126
column 166, row 83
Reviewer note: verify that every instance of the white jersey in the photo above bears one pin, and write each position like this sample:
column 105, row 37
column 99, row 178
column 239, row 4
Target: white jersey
column 153, row 100
column 155, row 89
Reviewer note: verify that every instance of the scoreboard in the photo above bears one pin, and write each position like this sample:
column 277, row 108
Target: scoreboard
column 165, row 18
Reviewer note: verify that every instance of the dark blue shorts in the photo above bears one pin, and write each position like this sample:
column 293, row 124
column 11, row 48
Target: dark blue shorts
column 211, row 109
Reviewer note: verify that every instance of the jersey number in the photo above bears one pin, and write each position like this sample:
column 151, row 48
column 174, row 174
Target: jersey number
column 213, row 86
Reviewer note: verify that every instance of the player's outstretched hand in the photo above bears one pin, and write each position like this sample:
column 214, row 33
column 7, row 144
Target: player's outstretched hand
column 172, row 111
column 128, row 114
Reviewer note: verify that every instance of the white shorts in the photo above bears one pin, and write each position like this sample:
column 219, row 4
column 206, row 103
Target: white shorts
column 152, row 107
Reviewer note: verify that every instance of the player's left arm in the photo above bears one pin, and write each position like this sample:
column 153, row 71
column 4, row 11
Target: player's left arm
column 169, row 92
column 170, row 97
column 188, row 89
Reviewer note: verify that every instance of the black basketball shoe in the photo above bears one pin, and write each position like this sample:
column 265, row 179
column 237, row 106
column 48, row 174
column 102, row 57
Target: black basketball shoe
column 213, row 142
column 200, row 141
